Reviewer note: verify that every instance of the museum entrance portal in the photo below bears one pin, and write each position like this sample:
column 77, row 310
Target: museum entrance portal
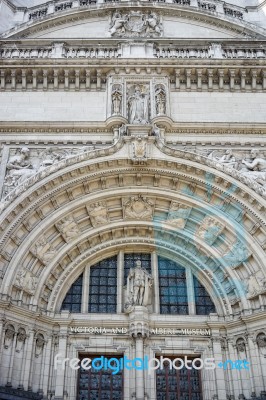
column 100, row 383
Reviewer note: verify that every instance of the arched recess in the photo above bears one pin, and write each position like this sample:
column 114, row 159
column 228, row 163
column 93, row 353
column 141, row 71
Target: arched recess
column 71, row 194
column 235, row 26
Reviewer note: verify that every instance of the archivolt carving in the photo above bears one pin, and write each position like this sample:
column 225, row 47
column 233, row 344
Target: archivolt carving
column 68, row 228
column 26, row 280
column 98, row 213
column 43, row 250
column 138, row 207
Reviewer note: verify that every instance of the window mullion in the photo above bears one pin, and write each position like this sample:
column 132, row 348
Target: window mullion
column 120, row 281
column 85, row 289
column 190, row 292
column 154, row 267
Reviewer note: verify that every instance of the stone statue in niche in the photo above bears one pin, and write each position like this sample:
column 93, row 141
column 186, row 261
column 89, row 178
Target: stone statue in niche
column 256, row 169
column 39, row 345
column 160, row 100
column 19, row 168
column 68, row 228
column 138, row 207
column 138, row 105
column 116, row 99
column 139, row 287
column 98, row 213
column 21, row 337
column 9, row 336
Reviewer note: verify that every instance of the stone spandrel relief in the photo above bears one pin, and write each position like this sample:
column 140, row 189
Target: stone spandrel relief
column 135, row 24
column 25, row 162
column 138, row 104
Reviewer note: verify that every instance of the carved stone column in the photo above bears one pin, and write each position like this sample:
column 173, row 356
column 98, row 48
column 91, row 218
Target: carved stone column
column 139, row 330
column 219, row 372
column 60, row 372
column 28, row 362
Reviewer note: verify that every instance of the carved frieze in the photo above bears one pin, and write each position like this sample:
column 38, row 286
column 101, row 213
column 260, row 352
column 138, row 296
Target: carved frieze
column 43, row 250
column 98, row 213
column 26, row 280
column 138, row 207
column 68, row 227
column 135, row 24
column 209, row 230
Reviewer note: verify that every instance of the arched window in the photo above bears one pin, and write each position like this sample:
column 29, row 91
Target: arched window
column 72, row 301
column 103, row 286
column 173, row 287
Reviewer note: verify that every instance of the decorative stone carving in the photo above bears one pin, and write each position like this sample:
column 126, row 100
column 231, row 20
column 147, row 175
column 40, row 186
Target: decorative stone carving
column 256, row 169
column 138, row 207
column 255, row 286
column 135, row 24
column 160, row 99
column 68, row 228
column 237, row 254
column 178, row 215
column 261, row 340
column 98, row 213
column 39, row 345
column 26, row 280
column 43, row 250
column 209, row 230
column 240, row 345
column 116, row 99
column 139, row 147
column 21, row 337
column 19, row 168
column 138, row 104
column 227, row 158
column 9, row 336
column 139, row 285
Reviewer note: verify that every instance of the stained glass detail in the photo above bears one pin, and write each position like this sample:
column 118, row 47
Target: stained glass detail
column 103, row 286
column 204, row 303
column 94, row 384
column 173, row 287
column 72, row 301
column 182, row 384
column 130, row 262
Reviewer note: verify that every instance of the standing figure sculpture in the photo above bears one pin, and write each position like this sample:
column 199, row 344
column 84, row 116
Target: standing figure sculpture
column 160, row 100
column 116, row 100
column 139, row 284
column 138, row 107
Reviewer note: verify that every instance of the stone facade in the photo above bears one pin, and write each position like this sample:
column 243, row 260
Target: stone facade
column 132, row 128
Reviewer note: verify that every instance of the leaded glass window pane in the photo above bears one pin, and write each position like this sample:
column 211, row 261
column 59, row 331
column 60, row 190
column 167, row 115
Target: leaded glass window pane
column 173, row 384
column 173, row 287
column 103, row 286
column 130, row 262
column 100, row 384
column 72, row 301
column 204, row 303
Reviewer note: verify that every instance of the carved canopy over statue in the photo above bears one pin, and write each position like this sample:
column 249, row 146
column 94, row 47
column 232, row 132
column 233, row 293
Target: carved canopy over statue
column 139, row 287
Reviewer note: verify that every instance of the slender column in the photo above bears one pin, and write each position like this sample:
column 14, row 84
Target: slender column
column 139, row 373
column 251, row 366
column 24, row 83
column 13, row 79
column 45, row 81
column 88, row 79
column 29, row 351
column 120, row 281
column 219, row 372
column 188, row 74
column 210, row 79
column 60, row 372
column 243, row 79
column 177, row 78
column 3, row 79
column 55, row 79
column 264, row 79
column 232, row 79
column 155, row 274
column 99, row 80
column 85, row 290
column 254, row 79
column 2, row 336
column 11, row 363
column 66, row 79
column 20, row 385
column 46, row 367
column 221, row 79
column 236, row 383
column 190, row 292
column 34, row 79
column 259, row 367
column 199, row 74
column 76, row 79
